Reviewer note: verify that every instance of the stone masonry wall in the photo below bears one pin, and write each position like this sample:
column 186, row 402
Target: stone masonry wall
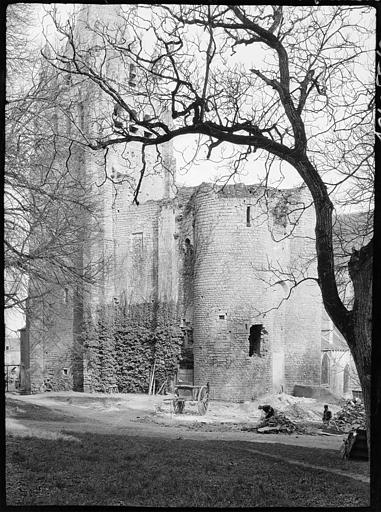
column 135, row 251
column 209, row 260
column 228, row 297
column 235, row 258
column 183, row 235
column 51, row 342
column 303, row 321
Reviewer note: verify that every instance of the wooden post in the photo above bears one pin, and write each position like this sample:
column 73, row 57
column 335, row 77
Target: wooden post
column 152, row 380
column 161, row 388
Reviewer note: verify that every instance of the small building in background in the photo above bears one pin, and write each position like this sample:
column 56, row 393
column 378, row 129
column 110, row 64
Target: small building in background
column 338, row 370
column 12, row 350
column 11, row 362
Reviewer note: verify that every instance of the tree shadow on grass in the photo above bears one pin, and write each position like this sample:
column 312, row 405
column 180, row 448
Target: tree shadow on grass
column 329, row 458
column 96, row 469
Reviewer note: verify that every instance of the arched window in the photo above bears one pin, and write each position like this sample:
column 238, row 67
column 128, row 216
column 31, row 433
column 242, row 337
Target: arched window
column 346, row 379
column 325, row 364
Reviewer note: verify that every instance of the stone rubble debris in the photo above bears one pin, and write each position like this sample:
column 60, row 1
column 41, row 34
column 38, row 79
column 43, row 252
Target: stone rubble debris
column 293, row 415
column 279, row 422
column 350, row 417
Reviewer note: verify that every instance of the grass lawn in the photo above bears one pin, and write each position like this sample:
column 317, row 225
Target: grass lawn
column 315, row 456
column 120, row 470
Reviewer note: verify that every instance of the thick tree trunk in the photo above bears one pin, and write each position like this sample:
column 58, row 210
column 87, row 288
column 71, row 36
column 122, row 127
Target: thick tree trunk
column 361, row 272
column 356, row 324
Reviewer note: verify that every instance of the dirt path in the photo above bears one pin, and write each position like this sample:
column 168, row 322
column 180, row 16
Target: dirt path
column 133, row 415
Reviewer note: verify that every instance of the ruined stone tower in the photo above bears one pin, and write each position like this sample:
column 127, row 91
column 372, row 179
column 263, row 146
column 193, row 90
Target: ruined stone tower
column 205, row 257
column 247, row 342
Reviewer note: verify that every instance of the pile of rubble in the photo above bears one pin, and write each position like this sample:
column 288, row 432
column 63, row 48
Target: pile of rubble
column 350, row 417
column 279, row 422
column 298, row 409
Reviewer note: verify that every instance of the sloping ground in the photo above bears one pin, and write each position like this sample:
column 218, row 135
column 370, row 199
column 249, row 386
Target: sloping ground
column 69, row 449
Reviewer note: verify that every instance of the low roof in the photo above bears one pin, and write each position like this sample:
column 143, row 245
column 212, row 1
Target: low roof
column 337, row 344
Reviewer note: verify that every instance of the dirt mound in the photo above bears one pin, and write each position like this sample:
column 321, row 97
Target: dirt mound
column 299, row 413
column 298, row 409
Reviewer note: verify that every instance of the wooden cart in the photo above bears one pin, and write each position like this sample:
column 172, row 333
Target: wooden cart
column 186, row 393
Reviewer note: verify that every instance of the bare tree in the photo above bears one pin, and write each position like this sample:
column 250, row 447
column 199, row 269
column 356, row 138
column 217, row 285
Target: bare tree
column 46, row 200
column 306, row 101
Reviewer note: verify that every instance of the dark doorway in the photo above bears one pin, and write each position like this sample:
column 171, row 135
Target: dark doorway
column 255, row 339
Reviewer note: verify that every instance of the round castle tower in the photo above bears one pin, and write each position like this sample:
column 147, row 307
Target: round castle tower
column 242, row 345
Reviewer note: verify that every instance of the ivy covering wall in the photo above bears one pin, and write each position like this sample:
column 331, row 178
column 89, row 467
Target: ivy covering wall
column 122, row 345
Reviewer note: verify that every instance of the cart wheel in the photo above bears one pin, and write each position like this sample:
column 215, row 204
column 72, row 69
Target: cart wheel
column 203, row 400
column 178, row 406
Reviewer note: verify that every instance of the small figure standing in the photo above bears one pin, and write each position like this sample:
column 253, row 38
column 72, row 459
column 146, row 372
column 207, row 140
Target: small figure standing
column 327, row 415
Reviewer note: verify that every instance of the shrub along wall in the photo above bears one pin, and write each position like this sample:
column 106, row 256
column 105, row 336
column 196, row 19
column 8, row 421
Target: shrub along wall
column 121, row 345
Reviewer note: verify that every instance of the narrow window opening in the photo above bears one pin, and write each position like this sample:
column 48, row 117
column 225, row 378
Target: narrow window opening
column 55, row 123
column 255, row 339
column 66, row 295
column 137, row 252
column 68, row 78
column 81, row 112
column 65, row 371
column 132, row 77
column 325, row 369
column 248, row 224
column 138, row 240
column 132, row 70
